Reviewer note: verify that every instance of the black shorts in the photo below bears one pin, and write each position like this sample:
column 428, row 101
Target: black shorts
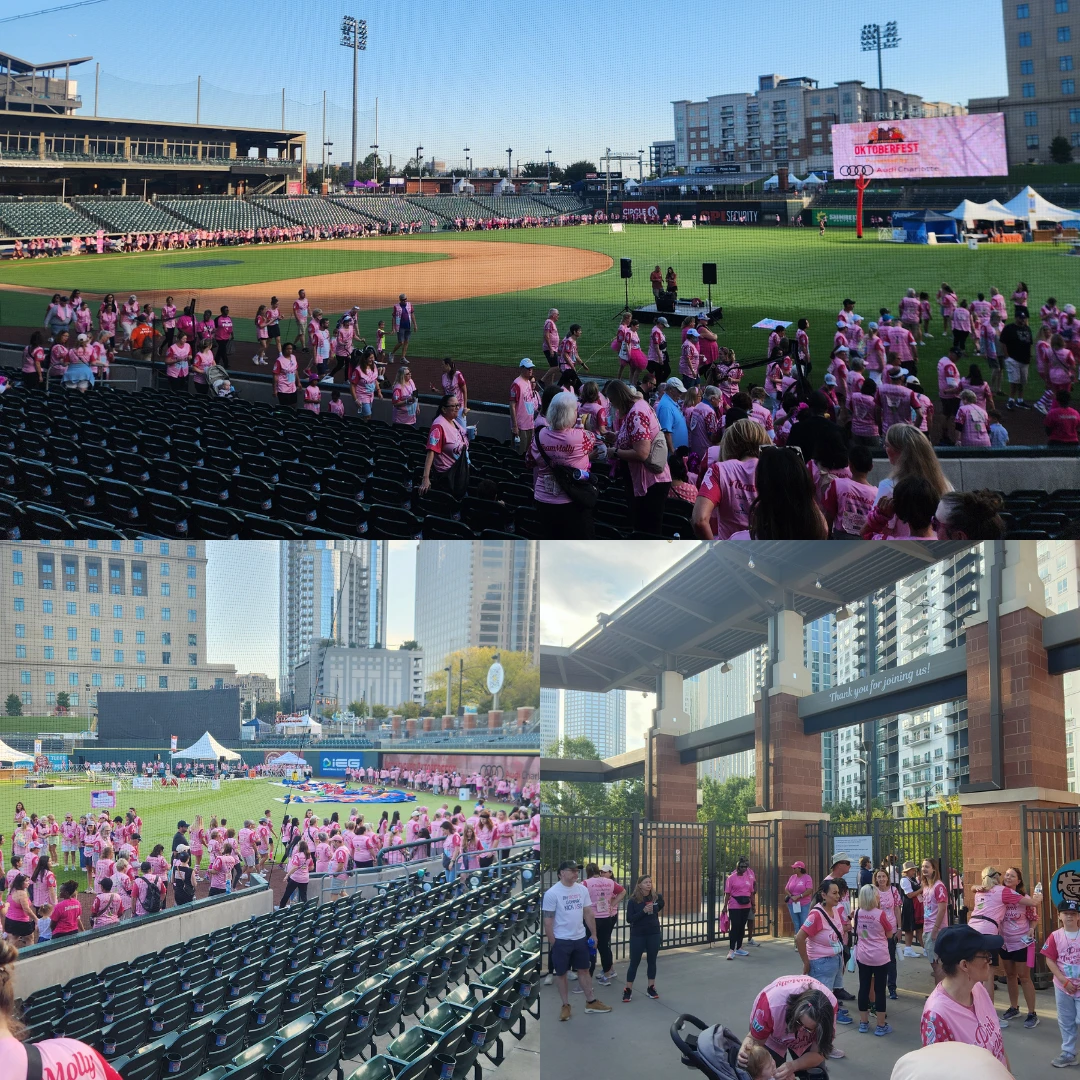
column 552, row 358
column 26, row 929
column 1017, row 956
column 273, row 330
column 570, row 955
column 907, row 916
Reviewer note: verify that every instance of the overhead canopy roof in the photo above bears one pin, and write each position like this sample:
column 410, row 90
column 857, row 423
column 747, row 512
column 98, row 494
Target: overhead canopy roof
column 715, row 604
column 24, row 67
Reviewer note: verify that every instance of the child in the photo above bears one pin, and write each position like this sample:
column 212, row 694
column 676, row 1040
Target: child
column 261, row 334
column 924, row 316
column 849, row 500
column 1061, row 951
column 224, row 389
column 380, row 347
column 337, row 406
column 312, row 394
column 719, row 1048
column 998, row 435
column 44, row 923
column 1062, row 422
column 914, row 503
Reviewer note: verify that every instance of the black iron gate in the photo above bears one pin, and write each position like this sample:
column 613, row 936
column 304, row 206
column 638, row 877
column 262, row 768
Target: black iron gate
column 894, row 842
column 688, row 861
column 1049, row 839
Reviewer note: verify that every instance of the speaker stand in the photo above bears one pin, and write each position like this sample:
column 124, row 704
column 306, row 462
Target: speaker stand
column 626, row 306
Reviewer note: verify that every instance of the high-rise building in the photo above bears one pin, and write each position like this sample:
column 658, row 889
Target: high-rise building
column 77, row 616
column 330, row 589
column 600, row 718
column 785, row 123
column 337, row 677
column 1042, row 102
column 550, row 717
column 476, row 593
column 1059, row 568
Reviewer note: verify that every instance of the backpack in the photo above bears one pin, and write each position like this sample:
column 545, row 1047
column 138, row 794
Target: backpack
column 151, row 901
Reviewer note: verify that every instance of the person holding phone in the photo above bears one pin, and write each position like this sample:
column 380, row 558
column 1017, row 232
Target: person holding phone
column 643, row 914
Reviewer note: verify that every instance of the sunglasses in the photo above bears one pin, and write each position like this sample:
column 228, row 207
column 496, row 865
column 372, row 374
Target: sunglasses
column 783, row 449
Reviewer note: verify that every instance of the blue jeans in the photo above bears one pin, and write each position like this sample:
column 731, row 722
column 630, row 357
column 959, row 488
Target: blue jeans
column 363, row 408
column 797, row 917
column 1068, row 1011
column 826, row 969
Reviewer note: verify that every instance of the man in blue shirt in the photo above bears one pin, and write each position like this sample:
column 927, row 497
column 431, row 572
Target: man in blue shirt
column 669, row 413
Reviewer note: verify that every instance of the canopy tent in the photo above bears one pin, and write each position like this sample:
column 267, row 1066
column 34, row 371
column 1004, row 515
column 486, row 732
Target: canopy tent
column 207, row 749
column 970, row 212
column 919, row 225
column 10, row 757
column 1029, row 205
column 288, row 759
column 298, row 725
column 774, row 182
column 813, row 180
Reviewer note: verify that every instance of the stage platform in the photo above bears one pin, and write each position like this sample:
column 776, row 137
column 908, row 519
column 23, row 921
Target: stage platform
column 683, row 309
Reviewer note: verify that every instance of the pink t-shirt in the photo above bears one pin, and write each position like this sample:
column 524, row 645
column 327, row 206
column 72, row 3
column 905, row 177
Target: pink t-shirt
column 821, row 937
column 767, row 1020
column 989, row 909
column 1064, row 950
column 570, row 447
column 889, row 902
column 640, row 425
column 872, row 944
column 701, row 425
column 848, row 504
column 797, row 886
column 285, row 374
column 961, row 319
column 974, row 426
column 946, row 1020
column 60, row 1059
column 739, row 885
column 404, row 410
column 525, row 401
column 181, row 354
column 1062, row 425
column 900, row 342
column 313, row 398
column 730, row 486
column 601, row 890
column 221, row 870
column 1017, row 924
column 933, row 898
column 447, row 441
column 896, row 403
column 689, row 359
column 551, row 336
column 864, row 413
column 298, row 867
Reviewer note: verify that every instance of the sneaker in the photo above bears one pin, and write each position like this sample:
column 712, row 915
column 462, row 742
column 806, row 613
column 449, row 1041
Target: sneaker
column 1032, row 1021
column 883, row 1029
column 1004, row 1024
column 843, row 995
column 864, row 1027
column 597, row 1006
column 843, row 1017
column 652, row 992
column 1022, row 404
column 627, row 994
column 564, row 1012
column 741, row 952
column 327, row 380
column 751, row 941
column 603, row 980
column 928, row 335
column 1063, row 1061
column 549, row 980
column 1010, row 405
column 1009, row 1013
column 892, row 995
column 612, row 975
column 577, row 989
column 1040, row 407
column 909, row 951
column 731, row 956
column 573, row 976
column 836, row 1052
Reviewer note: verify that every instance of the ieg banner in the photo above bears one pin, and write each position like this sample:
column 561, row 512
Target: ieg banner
column 336, row 762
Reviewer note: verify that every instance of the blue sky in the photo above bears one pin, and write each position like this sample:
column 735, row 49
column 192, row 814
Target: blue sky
column 575, row 77
column 242, row 601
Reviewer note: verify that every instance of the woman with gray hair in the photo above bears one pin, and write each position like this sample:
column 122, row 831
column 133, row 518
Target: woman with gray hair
column 562, row 488
column 640, row 445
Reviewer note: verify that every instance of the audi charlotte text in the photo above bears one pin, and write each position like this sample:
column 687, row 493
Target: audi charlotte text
column 887, row 148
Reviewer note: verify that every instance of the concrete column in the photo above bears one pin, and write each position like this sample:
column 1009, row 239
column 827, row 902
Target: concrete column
column 669, row 717
column 494, row 719
column 447, row 723
column 524, row 715
column 371, row 724
column 1032, row 717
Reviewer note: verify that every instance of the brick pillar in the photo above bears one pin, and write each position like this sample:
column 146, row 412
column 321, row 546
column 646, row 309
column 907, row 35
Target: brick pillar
column 494, row 719
column 395, row 727
column 524, row 715
column 468, row 721
column 410, row 729
column 371, row 724
column 447, row 723
column 1032, row 736
column 428, row 722
column 673, row 857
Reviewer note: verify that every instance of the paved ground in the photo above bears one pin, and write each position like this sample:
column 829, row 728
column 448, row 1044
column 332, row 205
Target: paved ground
column 633, row 1041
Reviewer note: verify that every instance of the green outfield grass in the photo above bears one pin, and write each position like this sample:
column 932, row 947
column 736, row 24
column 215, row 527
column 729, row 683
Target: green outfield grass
column 33, row 724
column 137, row 273
column 779, row 273
column 162, row 808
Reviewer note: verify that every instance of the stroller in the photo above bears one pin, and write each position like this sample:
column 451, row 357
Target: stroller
column 714, row 1050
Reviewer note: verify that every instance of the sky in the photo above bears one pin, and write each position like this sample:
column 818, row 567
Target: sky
column 611, row 572
column 242, row 620
column 572, row 77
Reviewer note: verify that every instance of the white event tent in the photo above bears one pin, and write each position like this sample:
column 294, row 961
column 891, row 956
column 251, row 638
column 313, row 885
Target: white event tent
column 970, row 212
column 10, row 757
column 207, row 749
column 1029, row 205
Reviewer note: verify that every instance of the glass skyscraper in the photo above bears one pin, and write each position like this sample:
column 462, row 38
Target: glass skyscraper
column 600, row 718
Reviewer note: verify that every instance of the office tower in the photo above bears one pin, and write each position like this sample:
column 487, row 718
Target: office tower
column 77, row 616
column 550, row 709
column 1059, row 568
column 600, row 718
column 476, row 593
column 329, row 590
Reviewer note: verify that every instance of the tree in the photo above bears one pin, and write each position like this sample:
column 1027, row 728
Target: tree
column 62, row 700
column 13, row 706
column 538, row 170
column 410, row 710
column 727, row 802
column 380, row 712
column 1060, row 150
column 411, row 645
column 266, row 710
column 358, row 708
column 576, row 171
column 521, row 681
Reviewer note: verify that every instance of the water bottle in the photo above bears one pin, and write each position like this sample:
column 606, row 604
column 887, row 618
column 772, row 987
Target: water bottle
column 581, row 474
column 1038, row 888
column 228, row 884
column 517, row 440
column 592, row 948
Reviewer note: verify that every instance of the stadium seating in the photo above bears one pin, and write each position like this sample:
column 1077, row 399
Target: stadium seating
column 431, row 968
column 113, row 462
column 384, row 208
column 209, row 212
column 445, row 207
column 129, row 215
column 513, row 206
column 562, row 204
column 42, row 217
column 310, row 210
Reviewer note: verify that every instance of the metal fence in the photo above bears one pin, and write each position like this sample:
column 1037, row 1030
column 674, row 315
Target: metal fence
column 689, row 862
column 1049, row 839
column 898, row 840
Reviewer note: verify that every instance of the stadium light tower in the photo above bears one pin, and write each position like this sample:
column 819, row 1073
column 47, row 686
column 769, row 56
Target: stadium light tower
column 509, row 162
column 354, row 36
column 420, row 169
column 468, row 162
column 548, row 152
column 874, row 40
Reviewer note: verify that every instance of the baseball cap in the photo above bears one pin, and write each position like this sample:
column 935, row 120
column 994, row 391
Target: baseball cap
column 1069, row 905
column 675, row 384
column 872, row 326
column 798, row 865
column 692, row 333
column 346, row 318
column 607, row 868
column 840, row 323
column 662, row 321
column 402, row 296
column 181, row 824
column 842, row 348
column 912, row 380
column 830, row 380
column 567, row 864
column 963, row 941
column 526, row 363
column 1069, row 309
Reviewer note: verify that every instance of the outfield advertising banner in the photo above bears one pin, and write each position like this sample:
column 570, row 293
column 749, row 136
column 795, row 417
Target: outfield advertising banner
column 337, row 762
column 944, row 146
column 647, row 212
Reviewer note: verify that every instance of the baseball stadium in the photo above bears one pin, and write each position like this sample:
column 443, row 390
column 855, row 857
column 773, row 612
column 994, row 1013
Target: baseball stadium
column 210, row 248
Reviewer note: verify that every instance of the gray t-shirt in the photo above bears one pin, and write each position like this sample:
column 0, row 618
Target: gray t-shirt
column 567, row 904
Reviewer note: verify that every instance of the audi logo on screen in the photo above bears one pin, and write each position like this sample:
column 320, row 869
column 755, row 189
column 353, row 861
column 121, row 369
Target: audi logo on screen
column 855, row 170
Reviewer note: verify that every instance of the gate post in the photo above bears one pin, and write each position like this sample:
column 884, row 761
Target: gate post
column 635, row 848
column 710, row 903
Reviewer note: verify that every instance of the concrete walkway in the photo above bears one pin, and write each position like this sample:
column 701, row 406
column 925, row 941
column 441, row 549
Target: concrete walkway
column 633, row 1041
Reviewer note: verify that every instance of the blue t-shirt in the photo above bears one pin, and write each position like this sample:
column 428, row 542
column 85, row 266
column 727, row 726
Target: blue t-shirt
column 998, row 435
column 672, row 420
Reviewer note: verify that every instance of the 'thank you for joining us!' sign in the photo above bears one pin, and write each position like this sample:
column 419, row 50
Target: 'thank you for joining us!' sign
column 940, row 147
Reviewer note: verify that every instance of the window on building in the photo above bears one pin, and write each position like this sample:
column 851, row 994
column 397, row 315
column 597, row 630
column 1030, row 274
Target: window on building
column 164, row 588
column 20, row 604
column 140, row 682
column 1023, row 11
column 95, row 655
column 95, row 611
column 1061, row 7
column 1031, row 119
column 72, row 633
column 1064, row 33
column 191, row 551
column 193, row 659
column 191, row 571
column 46, row 607
column 1065, row 63
column 166, row 657
column 193, row 639
column 73, row 678
column 24, row 678
column 166, row 614
column 163, row 682
column 47, row 632
column 118, row 637
column 1027, row 67
column 138, row 547
column 164, row 548
column 1028, row 89
column 95, row 679
column 50, row 678
column 191, row 592
column 16, row 558
column 118, row 656
column 73, row 654
column 117, row 611
column 95, row 633
column 140, row 656
column 1075, row 139
column 1024, row 40
column 72, row 608
column 1068, row 86
column 192, row 615
column 193, row 682
column 166, row 638
column 140, row 613
column 1033, row 142
column 20, row 652
column 118, row 682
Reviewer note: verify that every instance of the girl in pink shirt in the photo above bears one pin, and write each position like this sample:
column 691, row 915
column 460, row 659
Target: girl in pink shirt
column 972, row 422
column 1018, row 953
column 261, row 334
column 106, row 908
column 285, row 376
column 199, row 838
column 405, row 398
column 221, row 867
column 873, row 929
column 313, row 395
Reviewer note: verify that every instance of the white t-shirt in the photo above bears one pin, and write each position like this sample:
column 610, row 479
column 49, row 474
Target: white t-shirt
column 568, row 905
column 906, row 884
